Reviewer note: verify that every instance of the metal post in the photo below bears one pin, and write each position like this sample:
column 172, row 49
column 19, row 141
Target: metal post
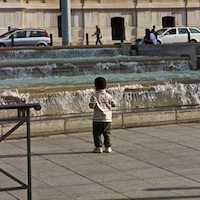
column 122, row 37
column 29, row 192
column 66, row 22
column 12, row 40
column 189, row 36
column 87, row 39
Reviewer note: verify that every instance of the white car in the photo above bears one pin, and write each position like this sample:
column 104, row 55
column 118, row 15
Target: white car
column 178, row 35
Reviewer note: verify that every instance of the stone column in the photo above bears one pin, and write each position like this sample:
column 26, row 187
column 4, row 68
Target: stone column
column 66, row 22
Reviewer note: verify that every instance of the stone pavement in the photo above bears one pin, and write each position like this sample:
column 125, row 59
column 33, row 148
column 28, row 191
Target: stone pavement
column 148, row 163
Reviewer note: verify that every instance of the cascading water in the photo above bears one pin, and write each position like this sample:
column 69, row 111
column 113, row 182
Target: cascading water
column 59, row 54
column 114, row 72
column 152, row 81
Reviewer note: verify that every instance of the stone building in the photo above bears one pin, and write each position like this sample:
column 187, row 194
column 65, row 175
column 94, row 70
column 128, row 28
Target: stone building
column 116, row 18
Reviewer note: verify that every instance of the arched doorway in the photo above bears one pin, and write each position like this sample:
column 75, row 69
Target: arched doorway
column 118, row 32
column 168, row 21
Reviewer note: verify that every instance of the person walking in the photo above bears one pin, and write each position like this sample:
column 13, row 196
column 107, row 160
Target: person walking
column 98, row 35
column 154, row 30
column 102, row 103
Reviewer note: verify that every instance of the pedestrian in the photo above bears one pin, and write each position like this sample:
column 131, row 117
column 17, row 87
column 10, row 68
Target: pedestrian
column 150, row 37
column 147, row 37
column 102, row 103
column 153, row 37
column 154, row 30
column 98, row 35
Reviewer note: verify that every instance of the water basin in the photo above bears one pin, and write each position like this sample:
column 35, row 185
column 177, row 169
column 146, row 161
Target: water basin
column 62, row 80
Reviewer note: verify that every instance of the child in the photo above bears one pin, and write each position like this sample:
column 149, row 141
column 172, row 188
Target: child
column 102, row 103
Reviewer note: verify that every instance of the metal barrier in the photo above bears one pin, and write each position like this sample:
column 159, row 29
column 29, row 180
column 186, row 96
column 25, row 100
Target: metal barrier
column 23, row 116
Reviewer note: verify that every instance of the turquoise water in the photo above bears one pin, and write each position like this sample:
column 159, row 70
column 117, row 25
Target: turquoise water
column 53, row 75
column 89, row 78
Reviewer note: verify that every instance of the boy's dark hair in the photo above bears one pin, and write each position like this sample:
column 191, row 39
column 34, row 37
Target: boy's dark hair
column 100, row 83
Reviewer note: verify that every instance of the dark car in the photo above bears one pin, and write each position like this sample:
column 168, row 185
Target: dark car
column 25, row 37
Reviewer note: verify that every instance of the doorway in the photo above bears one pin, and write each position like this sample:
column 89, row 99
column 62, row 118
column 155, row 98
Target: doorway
column 118, row 31
column 168, row 21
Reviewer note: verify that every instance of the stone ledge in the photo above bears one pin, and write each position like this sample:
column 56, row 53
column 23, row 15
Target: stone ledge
column 83, row 123
column 79, row 124
column 38, row 128
column 149, row 118
column 188, row 115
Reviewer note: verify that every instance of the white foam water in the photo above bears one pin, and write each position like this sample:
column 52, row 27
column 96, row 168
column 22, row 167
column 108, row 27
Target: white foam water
column 58, row 54
column 165, row 94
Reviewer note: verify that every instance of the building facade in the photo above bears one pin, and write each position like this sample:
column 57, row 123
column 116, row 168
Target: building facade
column 117, row 19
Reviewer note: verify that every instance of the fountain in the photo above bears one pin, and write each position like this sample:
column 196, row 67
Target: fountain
column 61, row 80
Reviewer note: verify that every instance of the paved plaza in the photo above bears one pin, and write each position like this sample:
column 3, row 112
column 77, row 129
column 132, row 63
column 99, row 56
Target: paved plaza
column 147, row 163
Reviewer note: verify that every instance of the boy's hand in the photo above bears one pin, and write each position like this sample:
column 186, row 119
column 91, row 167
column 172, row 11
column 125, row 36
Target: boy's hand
column 113, row 104
column 91, row 105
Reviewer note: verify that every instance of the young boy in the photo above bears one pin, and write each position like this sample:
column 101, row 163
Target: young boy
column 102, row 103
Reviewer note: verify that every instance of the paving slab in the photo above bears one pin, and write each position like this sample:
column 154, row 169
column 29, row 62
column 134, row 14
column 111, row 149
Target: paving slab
column 147, row 163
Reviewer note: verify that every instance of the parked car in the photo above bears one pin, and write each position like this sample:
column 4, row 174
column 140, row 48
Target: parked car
column 178, row 35
column 25, row 37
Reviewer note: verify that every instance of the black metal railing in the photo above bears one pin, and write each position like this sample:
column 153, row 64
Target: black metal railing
column 23, row 116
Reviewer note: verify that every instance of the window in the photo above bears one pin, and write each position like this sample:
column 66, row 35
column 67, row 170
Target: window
column 161, row 31
column 171, row 32
column 192, row 30
column 182, row 31
column 6, row 34
column 168, row 21
column 20, row 34
column 42, row 34
column 118, row 31
column 38, row 34
column 34, row 34
column 28, row 33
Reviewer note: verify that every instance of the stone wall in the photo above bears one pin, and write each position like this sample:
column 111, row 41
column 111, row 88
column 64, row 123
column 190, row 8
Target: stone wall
column 192, row 50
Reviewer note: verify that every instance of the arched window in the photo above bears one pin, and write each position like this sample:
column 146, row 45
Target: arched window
column 118, row 32
column 168, row 21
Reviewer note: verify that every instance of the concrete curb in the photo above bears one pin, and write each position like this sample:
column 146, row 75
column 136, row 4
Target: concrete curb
column 83, row 122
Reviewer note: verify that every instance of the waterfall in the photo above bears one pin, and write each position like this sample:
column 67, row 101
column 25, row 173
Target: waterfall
column 140, row 82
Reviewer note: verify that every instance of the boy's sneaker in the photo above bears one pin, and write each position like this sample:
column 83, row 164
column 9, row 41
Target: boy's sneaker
column 98, row 150
column 108, row 149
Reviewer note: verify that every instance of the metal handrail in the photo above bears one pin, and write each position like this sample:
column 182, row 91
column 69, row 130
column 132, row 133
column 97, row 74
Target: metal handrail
column 23, row 116
column 36, row 106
